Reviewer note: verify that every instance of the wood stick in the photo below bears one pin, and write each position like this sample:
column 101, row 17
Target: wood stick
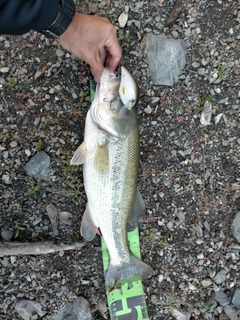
column 34, row 248
column 176, row 10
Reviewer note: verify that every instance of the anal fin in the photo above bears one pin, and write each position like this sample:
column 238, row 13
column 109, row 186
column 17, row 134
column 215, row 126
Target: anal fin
column 137, row 212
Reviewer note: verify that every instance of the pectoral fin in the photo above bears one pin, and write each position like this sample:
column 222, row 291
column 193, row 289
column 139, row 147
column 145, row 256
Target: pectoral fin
column 79, row 155
column 101, row 157
column 88, row 228
column 138, row 211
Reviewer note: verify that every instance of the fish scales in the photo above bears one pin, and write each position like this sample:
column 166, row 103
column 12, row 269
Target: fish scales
column 113, row 196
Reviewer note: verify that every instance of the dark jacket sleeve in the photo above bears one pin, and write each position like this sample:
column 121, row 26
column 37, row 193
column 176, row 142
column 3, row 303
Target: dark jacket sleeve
column 20, row 16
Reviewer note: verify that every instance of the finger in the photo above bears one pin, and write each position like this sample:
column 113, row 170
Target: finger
column 96, row 68
column 114, row 56
column 102, row 55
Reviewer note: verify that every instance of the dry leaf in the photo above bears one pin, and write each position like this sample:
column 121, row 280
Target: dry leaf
column 235, row 186
column 176, row 10
column 52, row 212
column 160, row 3
column 143, row 42
column 92, row 7
column 65, row 217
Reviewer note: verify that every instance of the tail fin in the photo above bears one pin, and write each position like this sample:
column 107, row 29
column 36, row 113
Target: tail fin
column 134, row 271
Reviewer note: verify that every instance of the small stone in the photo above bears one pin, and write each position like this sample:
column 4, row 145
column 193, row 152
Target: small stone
column 200, row 256
column 77, row 310
column 102, row 306
column 122, row 19
column 6, row 179
column 160, row 278
column 102, row 4
column 7, row 235
column 27, row 152
column 201, row 71
column 192, row 286
column 59, row 53
column 13, row 144
column 236, row 298
column 218, row 118
column 36, row 121
column 224, row 143
column 224, row 101
column 37, row 74
column 221, row 297
column 148, row 110
column 206, row 282
column 74, row 95
column 236, row 227
column 26, row 308
column 231, row 312
column 206, row 114
column 4, row 69
column 175, row 34
column 195, row 64
column 198, row 181
column 37, row 221
column 170, row 225
column 5, row 262
column 188, row 151
column 5, row 154
column 180, row 315
column 138, row 6
column 220, row 277
column 181, row 153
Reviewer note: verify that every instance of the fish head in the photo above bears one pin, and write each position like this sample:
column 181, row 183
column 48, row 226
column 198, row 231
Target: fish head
column 128, row 89
column 108, row 110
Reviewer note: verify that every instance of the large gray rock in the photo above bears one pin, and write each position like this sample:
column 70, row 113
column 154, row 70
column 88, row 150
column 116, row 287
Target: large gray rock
column 236, row 227
column 77, row 310
column 39, row 166
column 166, row 58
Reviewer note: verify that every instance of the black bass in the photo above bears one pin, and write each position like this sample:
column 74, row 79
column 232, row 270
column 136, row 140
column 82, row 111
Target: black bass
column 110, row 157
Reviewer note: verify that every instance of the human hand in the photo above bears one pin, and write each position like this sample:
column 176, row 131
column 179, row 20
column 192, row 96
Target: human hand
column 94, row 40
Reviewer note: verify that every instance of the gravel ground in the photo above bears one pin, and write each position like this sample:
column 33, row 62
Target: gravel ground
column 189, row 174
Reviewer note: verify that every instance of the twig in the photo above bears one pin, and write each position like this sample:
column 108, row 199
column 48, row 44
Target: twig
column 34, row 248
column 176, row 10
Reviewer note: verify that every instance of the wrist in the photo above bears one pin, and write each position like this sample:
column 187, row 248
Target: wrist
column 62, row 21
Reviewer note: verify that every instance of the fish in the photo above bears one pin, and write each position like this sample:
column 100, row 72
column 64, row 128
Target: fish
column 110, row 156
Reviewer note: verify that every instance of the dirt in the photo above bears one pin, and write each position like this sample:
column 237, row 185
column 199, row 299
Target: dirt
column 191, row 196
